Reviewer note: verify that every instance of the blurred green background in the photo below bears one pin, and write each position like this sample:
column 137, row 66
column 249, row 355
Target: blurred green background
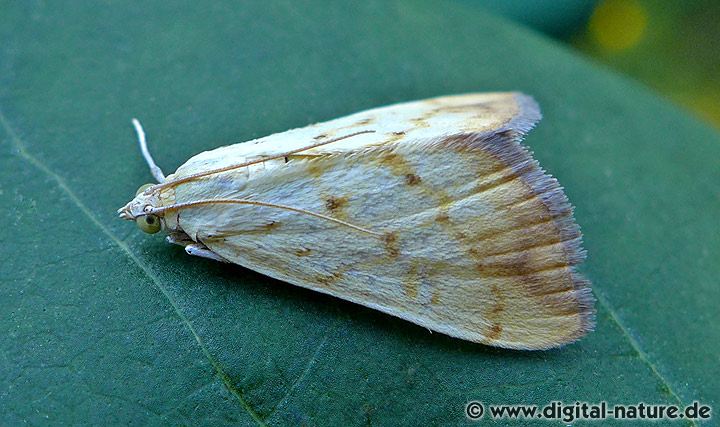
column 672, row 46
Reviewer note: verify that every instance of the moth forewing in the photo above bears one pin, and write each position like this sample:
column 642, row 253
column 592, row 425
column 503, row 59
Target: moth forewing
column 431, row 211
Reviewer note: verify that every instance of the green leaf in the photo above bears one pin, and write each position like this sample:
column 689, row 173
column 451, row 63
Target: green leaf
column 103, row 324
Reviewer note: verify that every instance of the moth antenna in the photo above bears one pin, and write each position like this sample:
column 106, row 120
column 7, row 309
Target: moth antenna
column 154, row 168
column 185, row 205
column 242, row 165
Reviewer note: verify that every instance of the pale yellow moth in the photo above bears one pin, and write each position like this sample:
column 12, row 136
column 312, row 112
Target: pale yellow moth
column 431, row 211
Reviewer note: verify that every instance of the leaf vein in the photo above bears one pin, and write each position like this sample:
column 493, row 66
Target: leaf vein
column 640, row 353
column 310, row 363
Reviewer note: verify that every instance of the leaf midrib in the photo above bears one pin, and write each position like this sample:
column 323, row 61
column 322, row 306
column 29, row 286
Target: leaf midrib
column 219, row 371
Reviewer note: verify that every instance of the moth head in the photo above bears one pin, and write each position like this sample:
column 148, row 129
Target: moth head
column 140, row 210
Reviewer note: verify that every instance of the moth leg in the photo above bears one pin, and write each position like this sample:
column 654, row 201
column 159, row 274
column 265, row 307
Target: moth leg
column 181, row 239
column 200, row 250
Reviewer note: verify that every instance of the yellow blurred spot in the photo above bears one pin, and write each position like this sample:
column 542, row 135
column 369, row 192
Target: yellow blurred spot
column 618, row 24
column 705, row 104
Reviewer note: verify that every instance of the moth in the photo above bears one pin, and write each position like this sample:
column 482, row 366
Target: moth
column 432, row 211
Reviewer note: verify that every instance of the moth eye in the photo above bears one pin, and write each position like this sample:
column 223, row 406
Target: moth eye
column 148, row 223
column 143, row 188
